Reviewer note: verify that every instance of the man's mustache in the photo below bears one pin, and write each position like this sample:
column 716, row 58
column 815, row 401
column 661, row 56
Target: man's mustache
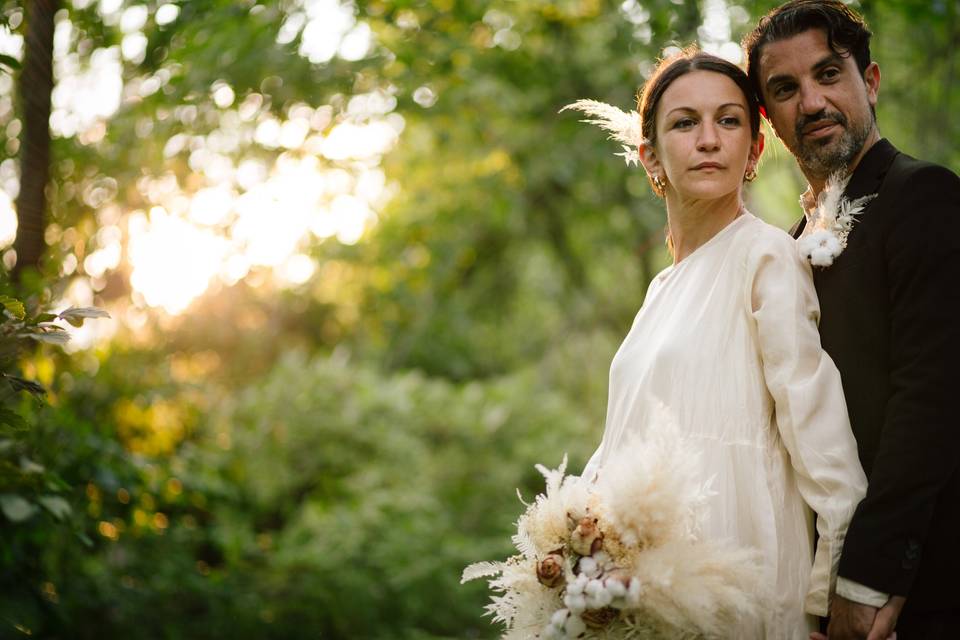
column 821, row 117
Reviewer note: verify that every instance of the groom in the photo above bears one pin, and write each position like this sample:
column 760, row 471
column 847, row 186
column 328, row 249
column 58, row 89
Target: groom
column 889, row 320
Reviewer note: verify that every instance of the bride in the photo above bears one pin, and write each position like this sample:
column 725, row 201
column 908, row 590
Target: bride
column 727, row 340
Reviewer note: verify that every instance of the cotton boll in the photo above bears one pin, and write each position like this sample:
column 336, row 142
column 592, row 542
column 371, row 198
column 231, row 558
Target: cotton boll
column 575, row 626
column 576, row 603
column 633, row 591
column 821, row 257
column 589, row 568
column 578, row 585
column 604, row 598
column 593, row 588
column 615, row 587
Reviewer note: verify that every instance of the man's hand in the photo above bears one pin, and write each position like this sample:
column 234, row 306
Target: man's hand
column 850, row 620
column 886, row 619
column 854, row 621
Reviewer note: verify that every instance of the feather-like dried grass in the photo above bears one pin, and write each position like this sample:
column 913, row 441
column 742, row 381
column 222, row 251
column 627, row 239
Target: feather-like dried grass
column 623, row 126
column 545, row 525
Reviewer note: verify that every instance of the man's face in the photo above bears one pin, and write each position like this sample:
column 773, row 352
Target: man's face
column 818, row 102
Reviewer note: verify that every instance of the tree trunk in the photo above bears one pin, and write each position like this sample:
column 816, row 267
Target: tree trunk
column 35, row 87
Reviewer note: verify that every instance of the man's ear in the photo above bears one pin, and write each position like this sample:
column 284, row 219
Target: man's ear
column 649, row 159
column 871, row 77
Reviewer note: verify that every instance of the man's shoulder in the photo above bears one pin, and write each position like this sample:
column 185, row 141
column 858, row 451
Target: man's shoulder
column 913, row 177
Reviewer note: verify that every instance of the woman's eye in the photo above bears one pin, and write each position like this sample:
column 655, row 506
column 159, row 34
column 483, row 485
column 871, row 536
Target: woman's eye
column 730, row 121
column 684, row 123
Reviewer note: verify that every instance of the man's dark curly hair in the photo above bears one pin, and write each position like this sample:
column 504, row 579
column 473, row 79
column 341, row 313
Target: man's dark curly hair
column 847, row 33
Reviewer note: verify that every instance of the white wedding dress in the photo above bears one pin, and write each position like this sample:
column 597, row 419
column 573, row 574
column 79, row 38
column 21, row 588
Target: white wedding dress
column 727, row 340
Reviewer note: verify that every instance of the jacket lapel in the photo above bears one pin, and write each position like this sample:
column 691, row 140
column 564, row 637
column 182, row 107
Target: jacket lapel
column 866, row 179
column 872, row 169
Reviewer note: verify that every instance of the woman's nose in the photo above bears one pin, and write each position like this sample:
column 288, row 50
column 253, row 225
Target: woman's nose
column 708, row 139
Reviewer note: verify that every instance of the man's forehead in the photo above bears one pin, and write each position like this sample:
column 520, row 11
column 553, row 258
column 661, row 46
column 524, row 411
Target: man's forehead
column 799, row 51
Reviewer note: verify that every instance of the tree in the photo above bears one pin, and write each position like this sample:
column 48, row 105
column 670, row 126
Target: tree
column 35, row 88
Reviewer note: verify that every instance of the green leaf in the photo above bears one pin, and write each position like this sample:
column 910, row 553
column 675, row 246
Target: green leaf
column 56, row 505
column 76, row 315
column 29, row 466
column 16, row 508
column 13, row 306
column 85, row 539
column 52, row 335
column 12, row 419
column 9, row 61
column 20, row 384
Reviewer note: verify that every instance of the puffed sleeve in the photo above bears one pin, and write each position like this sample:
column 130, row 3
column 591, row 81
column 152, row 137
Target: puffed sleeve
column 811, row 413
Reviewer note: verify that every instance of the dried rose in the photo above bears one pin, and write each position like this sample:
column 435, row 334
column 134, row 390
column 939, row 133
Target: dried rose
column 586, row 538
column 550, row 570
column 598, row 618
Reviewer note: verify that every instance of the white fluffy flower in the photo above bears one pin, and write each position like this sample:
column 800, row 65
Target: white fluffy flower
column 576, row 602
column 578, row 584
column 633, row 591
column 589, row 567
column 575, row 626
column 564, row 625
column 830, row 222
column 615, row 587
column 820, row 247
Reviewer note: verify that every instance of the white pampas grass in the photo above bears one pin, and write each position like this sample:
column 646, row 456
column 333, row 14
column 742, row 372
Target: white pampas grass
column 623, row 126
column 655, row 493
column 653, row 577
column 825, row 235
column 546, row 524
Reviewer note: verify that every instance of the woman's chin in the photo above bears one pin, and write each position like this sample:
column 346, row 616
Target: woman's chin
column 707, row 191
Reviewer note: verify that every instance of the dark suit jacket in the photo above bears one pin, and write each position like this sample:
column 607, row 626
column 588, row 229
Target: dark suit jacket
column 890, row 319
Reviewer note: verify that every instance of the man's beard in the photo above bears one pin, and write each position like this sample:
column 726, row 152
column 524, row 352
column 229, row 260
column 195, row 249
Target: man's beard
column 824, row 157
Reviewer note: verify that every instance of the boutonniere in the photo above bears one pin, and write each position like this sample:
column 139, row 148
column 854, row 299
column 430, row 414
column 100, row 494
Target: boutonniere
column 825, row 234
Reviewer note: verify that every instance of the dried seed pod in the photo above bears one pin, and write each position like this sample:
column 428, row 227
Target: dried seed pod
column 586, row 538
column 550, row 570
column 599, row 618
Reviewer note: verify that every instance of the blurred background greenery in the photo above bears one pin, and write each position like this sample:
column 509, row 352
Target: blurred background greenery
column 362, row 276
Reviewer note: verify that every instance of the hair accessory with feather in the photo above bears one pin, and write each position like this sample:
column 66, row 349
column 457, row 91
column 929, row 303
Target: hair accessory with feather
column 623, row 126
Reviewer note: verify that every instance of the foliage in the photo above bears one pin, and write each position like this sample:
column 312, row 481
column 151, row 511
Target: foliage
column 322, row 459
column 34, row 495
column 327, row 499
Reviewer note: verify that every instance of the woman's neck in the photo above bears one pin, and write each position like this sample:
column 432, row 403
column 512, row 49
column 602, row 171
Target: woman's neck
column 693, row 222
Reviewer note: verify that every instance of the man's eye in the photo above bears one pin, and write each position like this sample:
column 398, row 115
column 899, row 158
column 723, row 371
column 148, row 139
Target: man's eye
column 783, row 90
column 830, row 73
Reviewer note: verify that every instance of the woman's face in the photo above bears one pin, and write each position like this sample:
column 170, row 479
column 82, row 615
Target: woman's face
column 703, row 142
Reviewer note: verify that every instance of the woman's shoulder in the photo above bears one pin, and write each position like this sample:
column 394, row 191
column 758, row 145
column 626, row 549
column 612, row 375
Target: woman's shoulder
column 760, row 236
column 764, row 243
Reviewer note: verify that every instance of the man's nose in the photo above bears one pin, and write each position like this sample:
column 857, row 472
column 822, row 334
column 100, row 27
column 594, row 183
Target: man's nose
column 812, row 99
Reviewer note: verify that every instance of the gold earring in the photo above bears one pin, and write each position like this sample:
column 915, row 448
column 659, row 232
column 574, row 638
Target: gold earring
column 658, row 184
column 750, row 175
